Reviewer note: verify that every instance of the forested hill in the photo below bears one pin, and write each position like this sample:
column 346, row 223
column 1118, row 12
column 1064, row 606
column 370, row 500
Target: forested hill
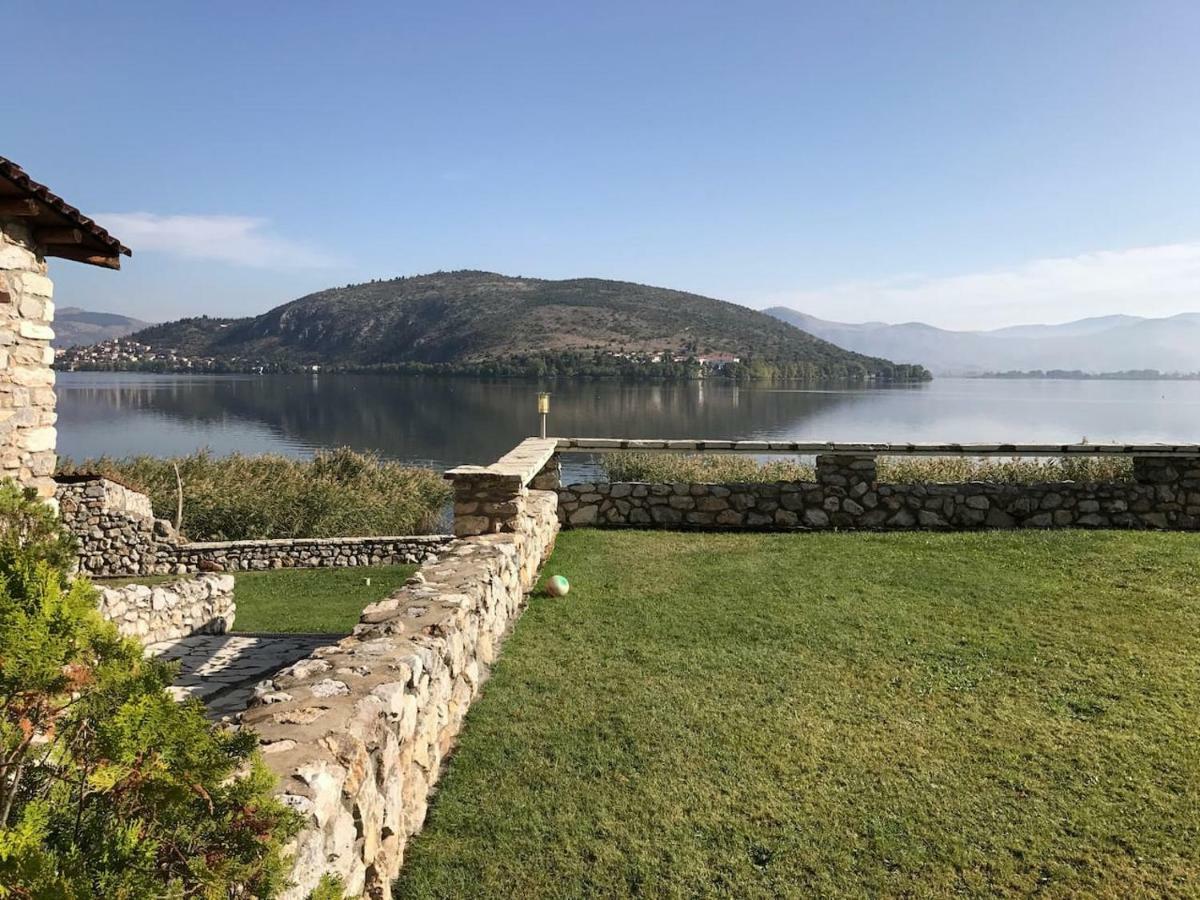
column 485, row 323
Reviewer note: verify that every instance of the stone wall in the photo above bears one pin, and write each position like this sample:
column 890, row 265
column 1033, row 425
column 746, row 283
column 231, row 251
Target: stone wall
column 166, row 612
column 119, row 535
column 358, row 731
column 288, row 553
column 27, row 416
column 115, row 526
column 1164, row 493
column 490, row 499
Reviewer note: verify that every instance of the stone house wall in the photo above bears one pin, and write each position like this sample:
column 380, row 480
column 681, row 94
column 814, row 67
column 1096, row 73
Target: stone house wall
column 27, row 416
column 166, row 612
column 1164, row 493
column 358, row 731
column 119, row 535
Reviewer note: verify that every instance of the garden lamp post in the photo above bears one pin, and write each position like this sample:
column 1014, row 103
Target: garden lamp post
column 543, row 409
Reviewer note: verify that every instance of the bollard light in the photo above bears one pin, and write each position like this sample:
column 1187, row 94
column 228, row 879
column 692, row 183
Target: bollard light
column 543, row 409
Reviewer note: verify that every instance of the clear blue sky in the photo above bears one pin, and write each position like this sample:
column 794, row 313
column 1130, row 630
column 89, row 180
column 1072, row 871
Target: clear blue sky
column 966, row 163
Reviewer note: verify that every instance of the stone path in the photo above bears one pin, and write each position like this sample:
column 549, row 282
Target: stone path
column 222, row 669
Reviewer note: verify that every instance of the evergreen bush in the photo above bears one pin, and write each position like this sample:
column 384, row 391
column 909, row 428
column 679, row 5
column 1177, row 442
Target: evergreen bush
column 108, row 787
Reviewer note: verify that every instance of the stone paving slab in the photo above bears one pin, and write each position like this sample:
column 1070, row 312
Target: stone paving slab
column 222, row 669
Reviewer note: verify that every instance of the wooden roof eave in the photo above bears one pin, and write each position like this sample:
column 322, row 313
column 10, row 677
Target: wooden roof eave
column 58, row 228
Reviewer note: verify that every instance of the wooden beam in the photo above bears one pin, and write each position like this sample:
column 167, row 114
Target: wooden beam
column 19, row 206
column 58, row 236
column 88, row 255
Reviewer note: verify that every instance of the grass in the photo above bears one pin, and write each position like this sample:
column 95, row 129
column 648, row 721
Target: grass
column 337, row 493
column 862, row 715
column 307, row 601
column 717, row 468
column 326, row 601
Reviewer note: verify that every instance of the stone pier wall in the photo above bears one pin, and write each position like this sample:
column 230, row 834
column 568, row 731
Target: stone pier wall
column 166, row 612
column 1164, row 494
column 491, row 499
column 27, row 416
column 119, row 535
column 358, row 731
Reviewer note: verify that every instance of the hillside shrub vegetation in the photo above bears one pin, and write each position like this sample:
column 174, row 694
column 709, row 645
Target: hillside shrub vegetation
column 337, row 493
column 482, row 323
column 108, row 787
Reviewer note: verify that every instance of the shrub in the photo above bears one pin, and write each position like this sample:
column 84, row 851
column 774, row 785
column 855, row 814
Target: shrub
column 329, row 888
column 717, row 468
column 29, row 529
column 109, row 788
column 338, row 493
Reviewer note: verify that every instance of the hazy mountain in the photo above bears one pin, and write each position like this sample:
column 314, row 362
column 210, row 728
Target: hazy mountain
column 75, row 327
column 465, row 318
column 1094, row 325
column 1101, row 344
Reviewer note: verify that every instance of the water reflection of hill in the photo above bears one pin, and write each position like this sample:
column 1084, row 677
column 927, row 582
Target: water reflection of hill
column 450, row 421
column 445, row 421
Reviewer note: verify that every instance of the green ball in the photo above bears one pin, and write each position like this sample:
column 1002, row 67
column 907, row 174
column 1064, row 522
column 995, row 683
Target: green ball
column 557, row 586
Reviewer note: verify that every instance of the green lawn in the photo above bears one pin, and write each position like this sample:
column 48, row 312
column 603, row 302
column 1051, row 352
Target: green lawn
column 311, row 600
column 836, row 715
column 314, row 601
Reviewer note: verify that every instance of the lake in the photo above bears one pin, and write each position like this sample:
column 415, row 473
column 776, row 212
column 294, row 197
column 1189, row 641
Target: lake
column 443, row 422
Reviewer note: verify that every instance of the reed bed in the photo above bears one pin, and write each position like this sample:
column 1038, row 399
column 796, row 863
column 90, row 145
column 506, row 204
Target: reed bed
column 337, row 493
column 721, row 468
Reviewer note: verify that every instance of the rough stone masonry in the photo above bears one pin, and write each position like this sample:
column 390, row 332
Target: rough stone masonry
column 358, row 731
column 1164, row 494
column 27, row 416
column 165, row 612
column 118, row 535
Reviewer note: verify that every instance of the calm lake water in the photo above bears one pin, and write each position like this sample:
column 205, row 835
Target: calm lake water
column 443, row 422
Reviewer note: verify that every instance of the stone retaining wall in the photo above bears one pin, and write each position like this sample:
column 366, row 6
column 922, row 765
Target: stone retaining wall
column 1165, row 493
column 358, row 731
column 166, row 612
column 119, row 535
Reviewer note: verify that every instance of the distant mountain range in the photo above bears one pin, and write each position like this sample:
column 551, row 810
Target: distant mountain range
column 75, row 327
column 1095, row 345
column 484, row 323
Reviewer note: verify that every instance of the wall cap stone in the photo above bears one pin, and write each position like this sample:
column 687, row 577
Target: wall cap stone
column 599, row 445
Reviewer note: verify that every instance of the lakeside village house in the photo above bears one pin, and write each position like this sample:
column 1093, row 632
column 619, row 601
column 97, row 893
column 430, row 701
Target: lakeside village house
column 35, row 223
